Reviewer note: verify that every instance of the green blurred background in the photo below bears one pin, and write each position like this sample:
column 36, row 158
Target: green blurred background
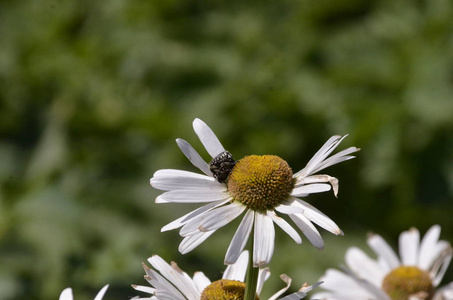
column 94, row 93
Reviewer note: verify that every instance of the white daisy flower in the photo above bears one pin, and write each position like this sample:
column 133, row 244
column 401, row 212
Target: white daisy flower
column 414, row 275
column 169, row 282
column 258, row 186
column 67, row 294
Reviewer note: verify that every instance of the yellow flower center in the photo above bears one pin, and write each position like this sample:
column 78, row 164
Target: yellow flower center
column 225, row 289
column 261, row 182
column 406, row 281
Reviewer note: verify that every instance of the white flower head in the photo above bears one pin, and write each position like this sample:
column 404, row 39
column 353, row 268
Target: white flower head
column 414, row 275
column 169, row 282
column 66, row 294
column 258, row 186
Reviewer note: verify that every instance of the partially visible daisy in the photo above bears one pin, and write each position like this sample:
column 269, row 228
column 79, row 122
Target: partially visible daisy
column 415, row 275
column 67, row 294
column 171, row 283
column 260, row 186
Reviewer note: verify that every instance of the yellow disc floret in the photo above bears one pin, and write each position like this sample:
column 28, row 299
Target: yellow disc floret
column 224, row 289
column 406, row 281
column 261, row 182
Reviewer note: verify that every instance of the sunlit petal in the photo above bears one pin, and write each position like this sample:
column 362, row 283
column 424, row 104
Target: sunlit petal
column 208, row 138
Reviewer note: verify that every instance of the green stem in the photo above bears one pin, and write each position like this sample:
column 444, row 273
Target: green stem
column 251, row 280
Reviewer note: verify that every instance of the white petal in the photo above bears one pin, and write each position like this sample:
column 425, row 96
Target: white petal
column 295, row 296
column 329, row 296
column 312, row 179
column 303, row 292
column 221, row 216
column 344, row 286
column 191, row 196
column 408, row 246
column 191, row 242
column 237, row 270
column 310, row 189
column 320, row 160
column 240, row 238
column 201, row 281
column 383, row 250
column 444, row 293
column 289, row 209
column 347, row 287
column 164, row 294
column 66, row 294
column 263, row 242
column 442, row 255
column 187, row 217
column 363, row 266
column 161, row 285
column 145, row 289
column 193, row 156
column 213, row 219
column 208, row 138
column 369, row 287
column 427, row 247
column 263, row 275
column 287, row 280
column 316, row 216
column 318, row 179
column 176, row 276
column 336, row 159
column 168, row 180
column 187, row 279
column 285, row 227
column 101, row 293
column 322, row 153
column 308, row 288
column 179, row 173
column 308, row 230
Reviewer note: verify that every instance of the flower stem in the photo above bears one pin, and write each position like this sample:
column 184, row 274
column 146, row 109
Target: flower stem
column 251, row 280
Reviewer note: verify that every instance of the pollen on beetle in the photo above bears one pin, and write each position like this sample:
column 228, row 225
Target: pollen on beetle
column 261, row 182
column 406, row 281
column 225, row 289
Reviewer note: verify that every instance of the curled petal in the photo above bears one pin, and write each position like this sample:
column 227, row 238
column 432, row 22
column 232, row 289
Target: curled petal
column 263, row 275
column 310, row 180
column 287, row 280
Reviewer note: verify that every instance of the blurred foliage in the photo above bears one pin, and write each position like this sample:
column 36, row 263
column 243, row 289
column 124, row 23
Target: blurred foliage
column 93, row 94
